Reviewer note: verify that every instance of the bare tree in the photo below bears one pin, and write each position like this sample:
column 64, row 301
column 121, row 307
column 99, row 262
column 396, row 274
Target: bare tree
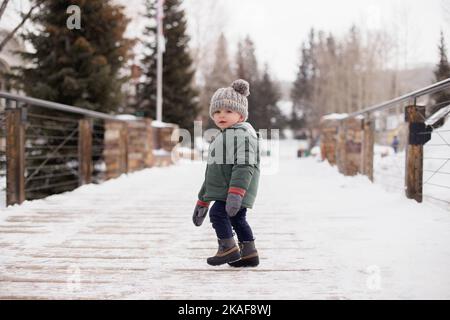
column 206, row 22
column 220, row 74
column 350, row 73
column 3, row 7
column 24, row 18
column 446, row 10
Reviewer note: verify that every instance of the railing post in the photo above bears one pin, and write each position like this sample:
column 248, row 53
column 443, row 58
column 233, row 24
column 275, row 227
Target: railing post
column 414, row 156
column 85, row 151
column 149, row 157
column 116, row 148
column 156, row 138
column 368, row 145
column 328, row 139
column 341, row 154
column 15, row 156
column 123, row 147
column 349, row 150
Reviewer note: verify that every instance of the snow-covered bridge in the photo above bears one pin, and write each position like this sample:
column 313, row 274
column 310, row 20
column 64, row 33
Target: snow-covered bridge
column 320, row 236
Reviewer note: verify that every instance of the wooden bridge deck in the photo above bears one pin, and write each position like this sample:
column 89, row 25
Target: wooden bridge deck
column 132, row 237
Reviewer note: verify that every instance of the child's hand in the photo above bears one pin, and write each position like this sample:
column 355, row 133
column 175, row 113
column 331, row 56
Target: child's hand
column 200, row 211
column 234, row 201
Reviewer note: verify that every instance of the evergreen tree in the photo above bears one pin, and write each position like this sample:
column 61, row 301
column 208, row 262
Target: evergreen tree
column 442, row 72
column 246, row 61
column 78, row 67
column 220, row 76
column 247, row 69
column 265, row 113
column 301, row 91
column 180, row 103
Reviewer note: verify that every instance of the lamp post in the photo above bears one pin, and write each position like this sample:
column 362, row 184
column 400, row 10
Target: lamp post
column 160, row 50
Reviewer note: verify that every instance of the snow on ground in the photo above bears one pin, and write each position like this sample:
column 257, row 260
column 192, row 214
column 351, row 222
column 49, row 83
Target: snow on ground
column 389, row 168
column 320, row 235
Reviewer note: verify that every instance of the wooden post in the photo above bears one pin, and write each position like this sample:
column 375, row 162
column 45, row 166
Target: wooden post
column 341, row 154
column 414, row 157
column 156, row 138
column 149, row 157
column 368, row 145
column 85, row 151
column 116, row 148
column 15, row 157
column 123, row 147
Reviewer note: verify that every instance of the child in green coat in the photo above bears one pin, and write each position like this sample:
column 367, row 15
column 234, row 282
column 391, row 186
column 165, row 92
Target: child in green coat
column 231, row 177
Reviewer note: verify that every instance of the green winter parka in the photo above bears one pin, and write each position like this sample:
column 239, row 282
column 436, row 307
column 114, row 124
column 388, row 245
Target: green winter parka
column 233, row 162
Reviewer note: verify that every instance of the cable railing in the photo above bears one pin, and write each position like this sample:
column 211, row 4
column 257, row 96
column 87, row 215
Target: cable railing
column 48, row 148
column 402, row 144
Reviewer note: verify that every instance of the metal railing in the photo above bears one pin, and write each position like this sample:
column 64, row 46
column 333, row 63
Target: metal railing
column 409, row 97
column 420, row 166
column 48, row 147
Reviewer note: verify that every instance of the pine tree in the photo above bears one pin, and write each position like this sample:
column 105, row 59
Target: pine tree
column 301, row 92
column 442, row 72
column 221, row 72
column 265, row 113
column 246, row 61
column 220, row 76
column 180, row 103
column 77, row 67
column 247, row 69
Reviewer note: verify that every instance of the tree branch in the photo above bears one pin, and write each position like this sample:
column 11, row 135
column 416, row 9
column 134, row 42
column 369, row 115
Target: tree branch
column 3, row 7
column 24, row 19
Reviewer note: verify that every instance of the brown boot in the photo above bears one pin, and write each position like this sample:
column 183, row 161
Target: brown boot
column 228, row 252
column 249, row 255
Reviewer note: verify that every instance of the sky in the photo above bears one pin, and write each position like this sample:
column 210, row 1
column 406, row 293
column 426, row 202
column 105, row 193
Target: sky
column 279, row 27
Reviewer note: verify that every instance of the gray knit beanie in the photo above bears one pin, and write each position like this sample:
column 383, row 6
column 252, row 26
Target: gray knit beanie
column 233, row 98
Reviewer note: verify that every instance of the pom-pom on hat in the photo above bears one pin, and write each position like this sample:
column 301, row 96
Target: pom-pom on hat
column 233, row 98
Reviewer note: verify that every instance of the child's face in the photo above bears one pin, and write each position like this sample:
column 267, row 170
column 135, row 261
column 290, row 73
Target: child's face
column 225, row 118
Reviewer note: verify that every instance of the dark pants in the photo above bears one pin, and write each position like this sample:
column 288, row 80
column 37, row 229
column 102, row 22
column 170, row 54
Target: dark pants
column 223, row 224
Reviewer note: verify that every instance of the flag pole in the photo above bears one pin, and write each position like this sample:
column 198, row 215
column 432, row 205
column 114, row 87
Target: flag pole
column 159, row 76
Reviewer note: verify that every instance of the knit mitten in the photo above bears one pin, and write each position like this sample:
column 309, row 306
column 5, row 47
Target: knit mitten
column 200, row 212
column 234, row 201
